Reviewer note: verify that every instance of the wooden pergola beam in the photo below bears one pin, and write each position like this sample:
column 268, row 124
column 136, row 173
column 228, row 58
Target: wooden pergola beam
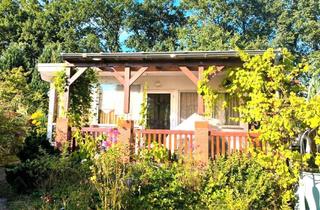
column 76, row 76
column 116, row 74
column 127, row 81
column 139, row 64
column 138, row 74
column 189, row 74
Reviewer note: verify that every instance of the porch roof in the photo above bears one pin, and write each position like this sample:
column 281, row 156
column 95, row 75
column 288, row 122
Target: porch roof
column 187, row 58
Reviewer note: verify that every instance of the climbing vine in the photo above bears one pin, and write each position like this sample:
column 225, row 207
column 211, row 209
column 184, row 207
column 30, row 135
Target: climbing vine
column 80, row 96
column 144, row 107
column 60, row 83
column 207, row 92
column 272, row 97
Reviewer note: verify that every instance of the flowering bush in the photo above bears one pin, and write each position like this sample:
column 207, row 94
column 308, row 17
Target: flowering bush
column 91, row 147
column 38, row 120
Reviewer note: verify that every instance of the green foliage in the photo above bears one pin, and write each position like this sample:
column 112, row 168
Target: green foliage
column 314, row 82
column 153, row 24
column 60, row 83
column 34, row 146
column 13, row 90
column 242, row 182
column 108, row 168
column 271, row 96
column 51, row 53
column 80, row 95
column 14, row 56
column 270, row 90
column 144, row 107
column 13, row 128
column 53, row 182
column 109, row 177
column 219, row 24
column 13, row 108
column 109, row 17
column 207, row 92
column 158, row 183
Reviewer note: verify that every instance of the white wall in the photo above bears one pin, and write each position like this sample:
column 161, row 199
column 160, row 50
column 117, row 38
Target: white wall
column 173, row 84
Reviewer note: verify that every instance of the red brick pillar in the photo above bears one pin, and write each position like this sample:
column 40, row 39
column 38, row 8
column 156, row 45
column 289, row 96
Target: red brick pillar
column 62, row 132
column 202, row 141
column 126, row 135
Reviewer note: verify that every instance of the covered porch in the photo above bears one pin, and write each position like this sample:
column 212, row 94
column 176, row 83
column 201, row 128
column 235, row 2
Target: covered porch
column 172, row 78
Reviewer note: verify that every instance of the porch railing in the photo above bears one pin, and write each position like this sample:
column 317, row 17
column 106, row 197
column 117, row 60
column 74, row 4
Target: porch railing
column 227, row 142
column 96, row 131
column 184, row 142
column 176, row 141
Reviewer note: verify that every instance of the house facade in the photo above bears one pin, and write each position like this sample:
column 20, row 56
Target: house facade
column 170, row 79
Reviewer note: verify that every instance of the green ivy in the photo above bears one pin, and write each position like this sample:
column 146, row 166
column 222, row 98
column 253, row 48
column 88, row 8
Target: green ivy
column 144, row 107
column 80, row 95
column 206, row 91
column 271, row 93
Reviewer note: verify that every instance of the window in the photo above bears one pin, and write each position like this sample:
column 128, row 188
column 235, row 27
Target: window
column 230, row 111
column 112, row 102
column 188, row 104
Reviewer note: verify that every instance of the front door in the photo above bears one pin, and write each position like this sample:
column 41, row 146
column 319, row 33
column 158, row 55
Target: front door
column 158, row 111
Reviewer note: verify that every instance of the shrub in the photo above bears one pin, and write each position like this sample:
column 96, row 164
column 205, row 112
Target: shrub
column 28, row 175
column 33, row 146
column 152, row 182
column 54, row 182
column 109, row 163
column 241, row 182
column 160, row 183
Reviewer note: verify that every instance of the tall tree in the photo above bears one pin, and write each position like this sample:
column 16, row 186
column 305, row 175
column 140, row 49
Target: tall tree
column 220, row 24
column 105, row 18
column 152, row 25
column 253, row 24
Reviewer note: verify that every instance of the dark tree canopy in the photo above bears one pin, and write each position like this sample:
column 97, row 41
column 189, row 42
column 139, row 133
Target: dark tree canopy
column 153, row 25
column 253, row 24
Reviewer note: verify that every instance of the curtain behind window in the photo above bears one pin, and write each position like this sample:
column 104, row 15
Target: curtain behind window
column 230, row 112
column 188, row 104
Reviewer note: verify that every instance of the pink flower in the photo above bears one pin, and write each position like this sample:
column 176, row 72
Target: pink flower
column 116, row 132
column 106, row 144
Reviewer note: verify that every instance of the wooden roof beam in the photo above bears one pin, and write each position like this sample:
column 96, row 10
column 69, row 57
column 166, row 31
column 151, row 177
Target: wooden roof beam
column 76, row 76
column 189, row 74
column 137, row 75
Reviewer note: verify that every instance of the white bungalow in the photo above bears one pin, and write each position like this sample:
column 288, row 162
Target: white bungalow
column 172, row 86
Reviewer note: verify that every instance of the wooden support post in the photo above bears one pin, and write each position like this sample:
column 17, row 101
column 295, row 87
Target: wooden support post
column 66, row 91
column 62, row 132
column 195, row 80
column 51, row 110
column 126, row 136
column 127, row 81
column 202, row 141
column 200, row 98
column 126, row 90
column 62, row 125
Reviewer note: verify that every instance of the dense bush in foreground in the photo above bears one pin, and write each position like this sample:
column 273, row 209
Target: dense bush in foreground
column 95, row 178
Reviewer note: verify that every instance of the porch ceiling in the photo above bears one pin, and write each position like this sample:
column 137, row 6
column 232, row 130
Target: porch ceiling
column 156, row 61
